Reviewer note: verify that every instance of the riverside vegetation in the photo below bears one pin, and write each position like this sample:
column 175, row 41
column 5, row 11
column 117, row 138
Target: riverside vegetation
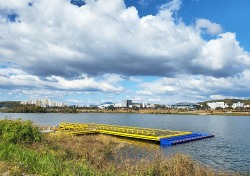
column 24, row 150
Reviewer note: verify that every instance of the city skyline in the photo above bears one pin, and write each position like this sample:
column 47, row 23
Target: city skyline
column 90, row 52
column 235, row 103
column 45, row 102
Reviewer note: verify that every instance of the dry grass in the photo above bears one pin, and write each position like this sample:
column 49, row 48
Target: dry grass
column 107, row 155
column 6, row 169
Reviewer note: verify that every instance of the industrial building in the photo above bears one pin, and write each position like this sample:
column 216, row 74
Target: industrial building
column 126, row 104
column 184, row 105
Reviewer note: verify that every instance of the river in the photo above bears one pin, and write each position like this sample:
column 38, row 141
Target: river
column 228, row 150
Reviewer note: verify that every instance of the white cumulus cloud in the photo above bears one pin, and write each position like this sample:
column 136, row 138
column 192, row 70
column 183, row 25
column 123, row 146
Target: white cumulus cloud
column 196, row 88
column 55, row 45
column 58, row 38
column 210, row 27
column 16, row 79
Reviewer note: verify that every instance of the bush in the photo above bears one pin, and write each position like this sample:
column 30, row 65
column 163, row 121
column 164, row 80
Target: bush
column 19, row 131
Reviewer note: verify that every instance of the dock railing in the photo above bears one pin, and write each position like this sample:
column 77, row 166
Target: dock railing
column 126, row 131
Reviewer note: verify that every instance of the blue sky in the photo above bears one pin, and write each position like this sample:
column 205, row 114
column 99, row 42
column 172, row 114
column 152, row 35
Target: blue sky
column 155, row 51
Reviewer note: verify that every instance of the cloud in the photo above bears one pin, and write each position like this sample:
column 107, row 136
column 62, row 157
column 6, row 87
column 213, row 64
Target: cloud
column 144, row 92
column 196, row 88
column 217, row 97
column 209, row 27
column 172, row 6
column 221, row 57
column 144, row 3
column 16, row 79
column 67, row 41
column 86, row 84
column 38, row 93
column 58, row 48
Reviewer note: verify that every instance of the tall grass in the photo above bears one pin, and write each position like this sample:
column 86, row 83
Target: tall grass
column 42, row 164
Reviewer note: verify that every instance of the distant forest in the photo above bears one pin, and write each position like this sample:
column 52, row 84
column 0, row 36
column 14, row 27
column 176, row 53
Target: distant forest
column 9, row 104
column 16, row 107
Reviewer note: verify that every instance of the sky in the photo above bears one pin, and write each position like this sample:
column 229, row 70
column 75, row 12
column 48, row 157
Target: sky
column 155, row 51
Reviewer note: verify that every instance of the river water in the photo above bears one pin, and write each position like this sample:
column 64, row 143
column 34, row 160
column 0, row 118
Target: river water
column 228, row 150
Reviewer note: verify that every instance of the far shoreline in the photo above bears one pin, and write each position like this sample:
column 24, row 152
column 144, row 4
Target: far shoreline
column 138, row 111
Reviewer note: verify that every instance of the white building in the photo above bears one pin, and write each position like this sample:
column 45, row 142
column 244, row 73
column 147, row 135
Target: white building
column 144, row 105
column 150, row 105
column 126, row 104
column 238, row 105
column 247, row 106
column 137, row 105
column 118, row 105
column 214, row 105
column 43, row 103
column 105, row 105
column 185, row 105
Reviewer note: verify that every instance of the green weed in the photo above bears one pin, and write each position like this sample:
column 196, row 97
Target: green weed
column 18, row 131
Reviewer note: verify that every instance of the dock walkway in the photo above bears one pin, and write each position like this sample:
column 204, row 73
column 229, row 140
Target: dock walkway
column 164, row 137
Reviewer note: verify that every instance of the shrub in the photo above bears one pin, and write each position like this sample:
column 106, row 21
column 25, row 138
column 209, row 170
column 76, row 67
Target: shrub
column 19, row 131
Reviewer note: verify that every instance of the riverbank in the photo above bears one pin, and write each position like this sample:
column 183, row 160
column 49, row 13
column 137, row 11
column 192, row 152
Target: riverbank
column 168, row 111
column 63, row 154
column 221, row 112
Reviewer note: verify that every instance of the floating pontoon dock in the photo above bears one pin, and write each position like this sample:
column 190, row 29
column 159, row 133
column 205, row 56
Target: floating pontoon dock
column 164, row 137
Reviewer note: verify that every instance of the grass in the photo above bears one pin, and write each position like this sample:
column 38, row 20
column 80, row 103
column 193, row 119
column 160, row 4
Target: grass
column 18, row 131
column 106, row 154
column 29, row 161
column 64, row 154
